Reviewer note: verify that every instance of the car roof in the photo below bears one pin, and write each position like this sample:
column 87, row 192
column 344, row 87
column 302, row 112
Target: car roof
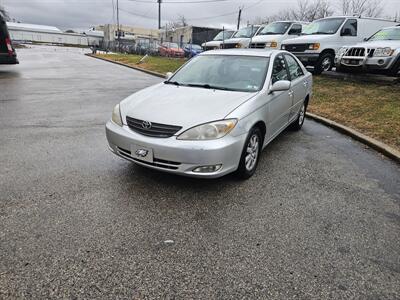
column 242, row 52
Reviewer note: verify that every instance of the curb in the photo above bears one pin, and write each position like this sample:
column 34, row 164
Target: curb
column 128, row 66
column 371, row 142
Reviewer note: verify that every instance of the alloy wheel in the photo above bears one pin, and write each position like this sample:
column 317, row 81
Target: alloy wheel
column 252, row 151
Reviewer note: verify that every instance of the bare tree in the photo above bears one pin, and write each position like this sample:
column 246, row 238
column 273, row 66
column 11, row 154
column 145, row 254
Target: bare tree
column 365, row 8
column 306, row 10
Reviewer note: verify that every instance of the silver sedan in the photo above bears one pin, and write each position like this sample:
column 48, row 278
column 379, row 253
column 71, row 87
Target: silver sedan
column 214, row 115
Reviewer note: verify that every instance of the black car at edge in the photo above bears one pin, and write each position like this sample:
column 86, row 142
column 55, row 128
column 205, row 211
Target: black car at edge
column 7, row 51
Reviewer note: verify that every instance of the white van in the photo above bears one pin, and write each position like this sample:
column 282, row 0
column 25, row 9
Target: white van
column 218, row 40
column 242, row 37
column 272, row 35
column 322, row 38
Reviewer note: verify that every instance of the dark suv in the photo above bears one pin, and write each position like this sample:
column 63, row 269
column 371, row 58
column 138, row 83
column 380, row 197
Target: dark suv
column 7, row 51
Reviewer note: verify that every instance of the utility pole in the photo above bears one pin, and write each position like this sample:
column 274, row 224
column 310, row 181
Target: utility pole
column 159, row 13
column 118, row 32
column 239, row 16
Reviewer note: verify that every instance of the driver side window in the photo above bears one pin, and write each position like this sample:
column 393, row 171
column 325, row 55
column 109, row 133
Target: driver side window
column 279, row 70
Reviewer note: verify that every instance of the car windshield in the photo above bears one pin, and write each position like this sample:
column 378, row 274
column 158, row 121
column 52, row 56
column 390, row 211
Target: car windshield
column 223, row 35
column 275, row 28
column 323, row 26
column 223, row 72
column 386, row 34
column 246, row 32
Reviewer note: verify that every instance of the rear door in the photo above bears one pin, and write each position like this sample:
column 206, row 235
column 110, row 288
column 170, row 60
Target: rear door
column 299, row 85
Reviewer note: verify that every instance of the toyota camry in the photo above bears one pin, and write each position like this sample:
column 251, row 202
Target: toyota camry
column 214, row 115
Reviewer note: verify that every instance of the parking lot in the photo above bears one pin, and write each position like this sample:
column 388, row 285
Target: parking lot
column 319, row 220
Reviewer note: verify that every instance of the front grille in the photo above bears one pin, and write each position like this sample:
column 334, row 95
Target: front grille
column 296, row 47
column 257, row 45
column 359, row 52
column 228, row 46
column 160, row 163
column 155, row 130
column 356, row 52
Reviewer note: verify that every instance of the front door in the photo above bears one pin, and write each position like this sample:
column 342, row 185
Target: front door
column 280, row 102
column 298, row 86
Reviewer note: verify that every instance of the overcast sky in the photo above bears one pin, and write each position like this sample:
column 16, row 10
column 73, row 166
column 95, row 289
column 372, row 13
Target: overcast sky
column 81, row 14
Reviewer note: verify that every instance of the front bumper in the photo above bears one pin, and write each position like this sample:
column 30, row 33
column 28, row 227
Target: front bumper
column 367, row 63
column 177, row 156
column 307, row 59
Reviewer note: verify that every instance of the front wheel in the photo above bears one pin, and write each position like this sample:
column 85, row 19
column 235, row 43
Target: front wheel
column 298, row 123
column 324, row 63
column 250, row 154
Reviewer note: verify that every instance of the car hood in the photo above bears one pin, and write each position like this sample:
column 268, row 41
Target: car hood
column 379, row 44
column 266, row 38
column 237, row 40
column 181, row 106
column 212, row 44
column 305, row 39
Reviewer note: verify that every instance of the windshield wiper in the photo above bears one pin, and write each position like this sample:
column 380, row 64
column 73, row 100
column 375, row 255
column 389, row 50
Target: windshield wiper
column 172, row 82
column 207, row 86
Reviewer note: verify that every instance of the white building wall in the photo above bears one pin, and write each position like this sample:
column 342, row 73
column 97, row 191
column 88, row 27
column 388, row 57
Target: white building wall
column 55, row 38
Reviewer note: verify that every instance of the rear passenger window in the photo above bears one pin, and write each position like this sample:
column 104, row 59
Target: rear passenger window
column 350, row 28
column 279, row 71
column 295, row 70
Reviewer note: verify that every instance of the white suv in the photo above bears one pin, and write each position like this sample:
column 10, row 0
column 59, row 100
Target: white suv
column 381, row 52
column 272, row 35
column 322, row 38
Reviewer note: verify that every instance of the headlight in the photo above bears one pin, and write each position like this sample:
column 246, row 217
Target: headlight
column 238, row 45
column 116, row 115
column 383, row 51
column 209, row 131
column 342, row 51
column 271, row 44
column 314, row 46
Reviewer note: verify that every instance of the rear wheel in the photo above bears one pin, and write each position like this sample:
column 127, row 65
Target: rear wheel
column 250, row 154
column 298, row 123
column 324, row 63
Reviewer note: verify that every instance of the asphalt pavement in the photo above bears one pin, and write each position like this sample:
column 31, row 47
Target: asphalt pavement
column 319, row 220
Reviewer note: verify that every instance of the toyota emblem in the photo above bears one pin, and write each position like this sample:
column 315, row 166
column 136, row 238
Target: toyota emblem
column 146, row 124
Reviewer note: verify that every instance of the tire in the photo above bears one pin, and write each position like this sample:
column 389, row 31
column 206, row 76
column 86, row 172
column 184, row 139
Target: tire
column 394, row 71
column 324, row 63
column 251, row 153
column 298, row 123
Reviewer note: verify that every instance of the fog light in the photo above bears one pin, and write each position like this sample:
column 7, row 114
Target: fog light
column 207, row 169
column 381, row 61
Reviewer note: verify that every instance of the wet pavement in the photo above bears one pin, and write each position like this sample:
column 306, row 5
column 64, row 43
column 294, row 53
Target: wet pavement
column 319, row 220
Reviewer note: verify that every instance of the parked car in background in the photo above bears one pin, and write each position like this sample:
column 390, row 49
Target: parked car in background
column 192, row 50
column 322, row 38
column 171, row 50
column 242, row 37
column 272, row 35
column 218, row 40
column 381, row 52
column 214, row 115
column 7, row 52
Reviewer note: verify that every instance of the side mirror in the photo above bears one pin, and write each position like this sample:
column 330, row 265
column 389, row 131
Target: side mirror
column 168, row 75
column 365, row 39
column 279, row 86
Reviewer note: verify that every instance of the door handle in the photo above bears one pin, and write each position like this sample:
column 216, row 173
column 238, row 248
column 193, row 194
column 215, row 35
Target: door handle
column 290, row 94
